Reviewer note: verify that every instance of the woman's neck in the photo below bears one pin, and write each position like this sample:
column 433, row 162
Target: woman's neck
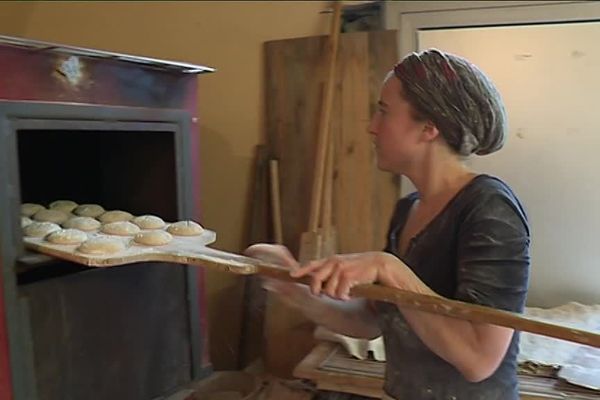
column 436, row 181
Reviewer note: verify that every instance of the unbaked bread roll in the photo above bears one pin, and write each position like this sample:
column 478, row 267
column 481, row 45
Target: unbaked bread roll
column 153, row 238
column 25, row 221
column 40, row 229
column 67, row 236
column 85, row 224
column 89, row 210
column 101, row 246
column 114, row 216
column 58, row 217
column 149, row 222
column 185, row 228
column 63, row 205
column 28, row 209
column 120, row 228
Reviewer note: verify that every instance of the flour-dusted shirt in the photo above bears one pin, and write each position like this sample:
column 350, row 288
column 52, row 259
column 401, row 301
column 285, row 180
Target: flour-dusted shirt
column 476, row 250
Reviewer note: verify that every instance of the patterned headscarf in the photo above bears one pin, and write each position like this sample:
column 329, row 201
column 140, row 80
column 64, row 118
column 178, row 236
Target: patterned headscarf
column 457, row 97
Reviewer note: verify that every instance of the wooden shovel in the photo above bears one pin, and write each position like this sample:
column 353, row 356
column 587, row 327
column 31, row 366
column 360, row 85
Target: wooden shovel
column 210, row 258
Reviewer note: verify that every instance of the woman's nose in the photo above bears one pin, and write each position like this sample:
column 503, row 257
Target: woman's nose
column 373, row 125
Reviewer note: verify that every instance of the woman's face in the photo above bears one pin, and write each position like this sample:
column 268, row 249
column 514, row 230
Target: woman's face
column 397, row 135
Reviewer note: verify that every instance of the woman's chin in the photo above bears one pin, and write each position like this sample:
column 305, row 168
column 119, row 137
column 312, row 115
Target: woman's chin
column 383, row 165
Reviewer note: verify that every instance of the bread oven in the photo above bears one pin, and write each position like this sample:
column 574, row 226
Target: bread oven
column 120, row 131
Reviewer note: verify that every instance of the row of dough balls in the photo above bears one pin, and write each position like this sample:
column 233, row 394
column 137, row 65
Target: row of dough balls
column 53, row 233
column 78, row 219
column 90, row 217
column 121, row 228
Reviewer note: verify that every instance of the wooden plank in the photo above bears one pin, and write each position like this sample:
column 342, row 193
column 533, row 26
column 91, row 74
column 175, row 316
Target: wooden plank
column 310, row 368
column 235, row 263
column 326, row 357
column 254, row 296
column 278, row 391
column 354, row 164
column 383, row 54
column 295, row 78
column 294, row 86
column 229, row 262
column 294, row 81
column 348, row 388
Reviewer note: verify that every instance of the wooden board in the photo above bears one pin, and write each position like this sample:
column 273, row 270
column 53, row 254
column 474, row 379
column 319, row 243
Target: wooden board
column 223, row 261
column 190, row 250
column 134, row 252
column 293, row 105
column 295, row 76
column 332, row 368
column 251, row 336
column 363, row 196
column 311, row 367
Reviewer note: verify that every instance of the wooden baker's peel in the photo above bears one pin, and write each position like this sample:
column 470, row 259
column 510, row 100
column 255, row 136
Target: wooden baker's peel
column 204, row 256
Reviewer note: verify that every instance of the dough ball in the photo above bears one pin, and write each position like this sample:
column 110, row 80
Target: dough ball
column 25, row 221
column 120, row 228
column 67, row 236
column 63, row 205
column 153, row 238
column 149, row 222
column 58, row 217
column 89, row 210
column 114, row 216
column 85, row 224
column 28, row 209
column 40, row 229
column 185, row 228
column 101, row 246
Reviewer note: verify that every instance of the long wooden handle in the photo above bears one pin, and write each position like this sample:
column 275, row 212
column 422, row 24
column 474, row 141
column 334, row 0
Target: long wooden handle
column 324, row 121
column 238, row 264
column 327, row 204
column 455, row 309
column 275, row 202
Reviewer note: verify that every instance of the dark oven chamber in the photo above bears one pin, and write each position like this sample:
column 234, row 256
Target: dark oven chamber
column 130, row 332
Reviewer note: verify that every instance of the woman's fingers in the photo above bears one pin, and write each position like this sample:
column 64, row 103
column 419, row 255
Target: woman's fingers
column 344, row 286
column 319, row 276
column 309, row 268
column 332, row 283
column 326, row 275
column 271, row 253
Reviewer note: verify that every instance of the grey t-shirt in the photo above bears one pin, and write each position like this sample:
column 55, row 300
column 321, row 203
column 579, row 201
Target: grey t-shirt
column 475, row 250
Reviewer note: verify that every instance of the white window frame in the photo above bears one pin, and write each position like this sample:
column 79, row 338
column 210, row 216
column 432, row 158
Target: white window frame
column 410, row 17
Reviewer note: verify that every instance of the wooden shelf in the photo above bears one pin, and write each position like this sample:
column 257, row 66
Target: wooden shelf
column 330, row 367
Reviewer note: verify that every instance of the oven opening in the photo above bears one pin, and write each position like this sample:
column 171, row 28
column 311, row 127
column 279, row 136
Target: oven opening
column 133, row 171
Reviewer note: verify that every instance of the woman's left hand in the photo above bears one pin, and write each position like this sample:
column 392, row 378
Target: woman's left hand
column 336, row 275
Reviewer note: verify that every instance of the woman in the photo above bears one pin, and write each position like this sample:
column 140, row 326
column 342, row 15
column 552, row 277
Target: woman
column 461, row 235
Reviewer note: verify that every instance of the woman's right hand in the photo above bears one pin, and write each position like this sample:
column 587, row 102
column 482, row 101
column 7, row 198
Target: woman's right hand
column 293, row 294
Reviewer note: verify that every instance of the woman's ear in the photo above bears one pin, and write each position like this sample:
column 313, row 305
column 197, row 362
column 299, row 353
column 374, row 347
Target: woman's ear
column 430, row 132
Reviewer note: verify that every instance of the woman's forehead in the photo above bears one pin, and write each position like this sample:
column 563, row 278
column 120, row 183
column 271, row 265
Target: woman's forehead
column 391, row 91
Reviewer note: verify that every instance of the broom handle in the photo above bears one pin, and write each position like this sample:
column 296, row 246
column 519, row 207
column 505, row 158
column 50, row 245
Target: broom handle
column 324, row 120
